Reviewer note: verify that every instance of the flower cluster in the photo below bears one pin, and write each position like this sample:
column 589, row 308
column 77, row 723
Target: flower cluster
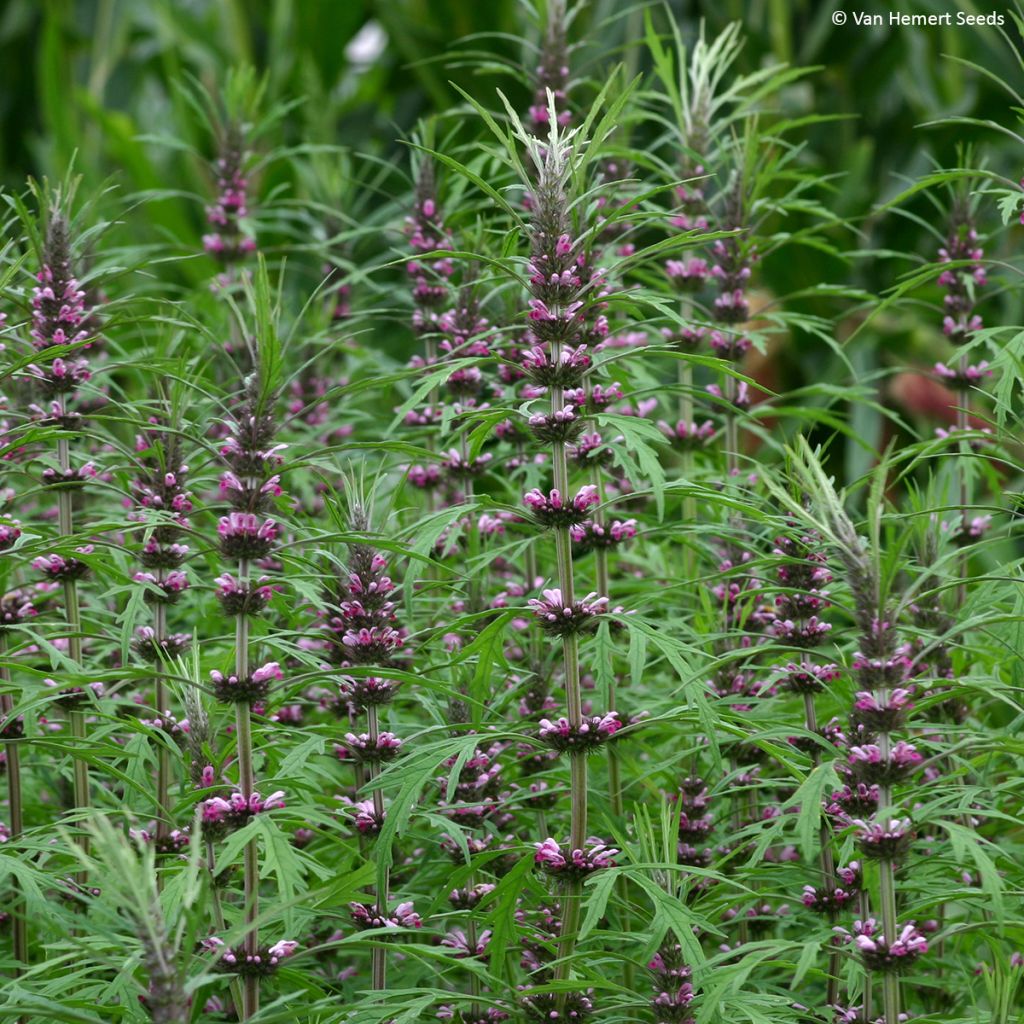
column 555, row 510
column 960, row 323
column 220, row 815
column 383, row 747
column 672, row 986
column 230, row 689
column 589, row 535
column 360, row 624
column 427, row 233
column 365, row 916
column 568, row 864
column 60, row 568
column 261, row 963
column 552, row 72
column 872, row 763
column 831, row 899
column 230, row 241
column 562, row 618
column 879, row 954
column 593, row 731
column 59, row 312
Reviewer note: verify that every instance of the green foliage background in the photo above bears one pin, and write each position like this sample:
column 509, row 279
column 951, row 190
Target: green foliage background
column 96, row 82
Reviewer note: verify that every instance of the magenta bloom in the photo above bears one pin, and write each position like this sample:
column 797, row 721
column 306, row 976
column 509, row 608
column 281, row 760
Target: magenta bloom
column 230, row 689
column 366, row 916
column 244, row 535
column 553, row 509
column 687, row 275
column 879, row 955
column 562, row 862
column 589, row 735
column 556, row 616
column 220, row 815
column 882, row 840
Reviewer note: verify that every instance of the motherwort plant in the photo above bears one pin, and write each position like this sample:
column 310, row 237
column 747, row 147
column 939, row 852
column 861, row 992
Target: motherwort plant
column 362, row 633
column 60, row 337
column 162, row 506
column 877, row 761
column 556, row 363
column 249, row 485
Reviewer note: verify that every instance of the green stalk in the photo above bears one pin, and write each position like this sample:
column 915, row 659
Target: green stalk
column 865, row 913
column 379, row 953
column 963, row 423
column 163, row 770
column 827, row 865
column 11, row 748
column 218, row 917
column 574, row 703
column 887, row 895
column 76, row 718
column 247, row 783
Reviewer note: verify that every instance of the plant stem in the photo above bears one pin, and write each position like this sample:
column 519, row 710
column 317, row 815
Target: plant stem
column 76, row 719
column 163, row 770
column 865, row 913
column 247, row 783
column 379, row 953
column 15, row 808
column 963, row 423
column 887, row 898
column 218, row 916
column 574, row 705
column 826, row 863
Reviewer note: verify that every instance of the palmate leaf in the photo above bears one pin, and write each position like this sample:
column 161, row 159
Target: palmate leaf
column 671, row 913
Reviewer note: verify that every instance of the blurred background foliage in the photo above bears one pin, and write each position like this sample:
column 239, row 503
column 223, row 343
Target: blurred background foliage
column 105, row 83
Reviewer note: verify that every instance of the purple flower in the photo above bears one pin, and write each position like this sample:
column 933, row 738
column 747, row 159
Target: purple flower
column 220, row 815
column 552, row 509
column 65, row 479
column 10, row 531
column 557, row 617
column 561, row 862
column 880, row 955
column 687, row 275
column 881, row 840
column 163, row 589
column 146, row 645
column 588, row 735
column 243, row 597
column 230, row 689
column 59, row 313
column 260, row 964
column 245, row 536
column 590, row 535
column 230, row 241
column 560, row 427
column 565, row 372
column 688, row 436
column 69, row 696
column 802, row 633
column 831, row 900
column 59, row 569
column 468, row 899
column 457, row 940
column 459, row 466
column 731, row 307
column 369, row 691
column 371, row 646
column 808, row 677
column 363, row 748
column 366, row 916
column 869, row 764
